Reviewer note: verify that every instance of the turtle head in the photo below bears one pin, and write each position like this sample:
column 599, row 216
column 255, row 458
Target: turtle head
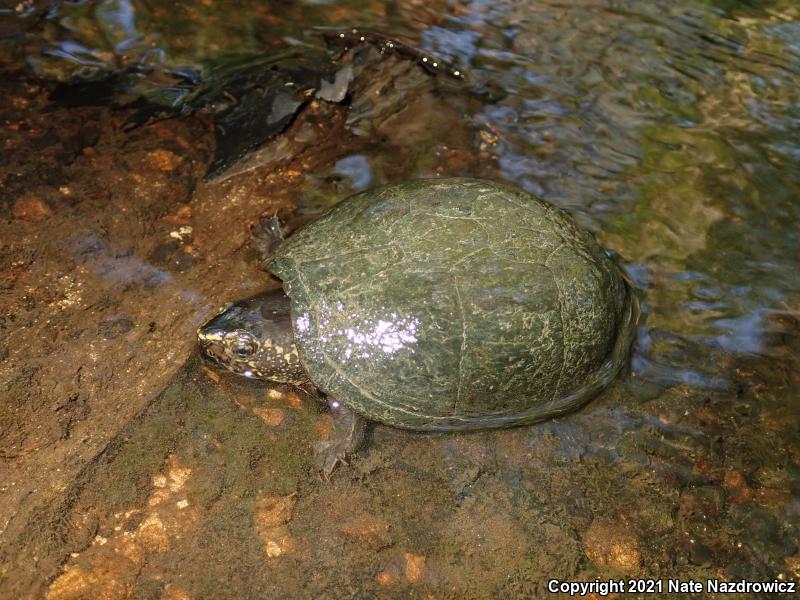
column 254, row 338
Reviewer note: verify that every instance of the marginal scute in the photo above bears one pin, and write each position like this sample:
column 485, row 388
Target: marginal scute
column 454, row 305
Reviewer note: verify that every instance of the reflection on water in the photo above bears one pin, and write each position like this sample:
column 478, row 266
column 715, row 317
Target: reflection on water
column 671, row 131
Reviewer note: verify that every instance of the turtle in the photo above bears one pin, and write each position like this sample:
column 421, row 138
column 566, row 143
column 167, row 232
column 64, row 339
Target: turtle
column 439, row 305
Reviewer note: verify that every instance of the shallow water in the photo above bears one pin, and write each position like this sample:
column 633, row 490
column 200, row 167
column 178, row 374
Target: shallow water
column 671, row 131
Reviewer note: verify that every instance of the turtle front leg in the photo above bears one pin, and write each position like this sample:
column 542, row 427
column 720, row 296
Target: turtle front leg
column 266, row 235
column 348, row 437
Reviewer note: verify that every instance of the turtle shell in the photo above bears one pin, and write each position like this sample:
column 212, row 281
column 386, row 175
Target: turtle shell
column 455, row 305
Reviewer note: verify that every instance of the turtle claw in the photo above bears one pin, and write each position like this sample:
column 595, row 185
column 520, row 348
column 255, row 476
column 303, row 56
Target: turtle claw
column 328, row 455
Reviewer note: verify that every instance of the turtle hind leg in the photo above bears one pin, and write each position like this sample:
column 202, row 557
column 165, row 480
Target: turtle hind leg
column 266, row 235
column 349, row 429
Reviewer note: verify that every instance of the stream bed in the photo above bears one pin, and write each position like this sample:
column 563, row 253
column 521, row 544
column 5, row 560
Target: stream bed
column 131, row 469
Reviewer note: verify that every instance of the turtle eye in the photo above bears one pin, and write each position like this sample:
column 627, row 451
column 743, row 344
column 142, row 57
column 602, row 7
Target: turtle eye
column 243, row 345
